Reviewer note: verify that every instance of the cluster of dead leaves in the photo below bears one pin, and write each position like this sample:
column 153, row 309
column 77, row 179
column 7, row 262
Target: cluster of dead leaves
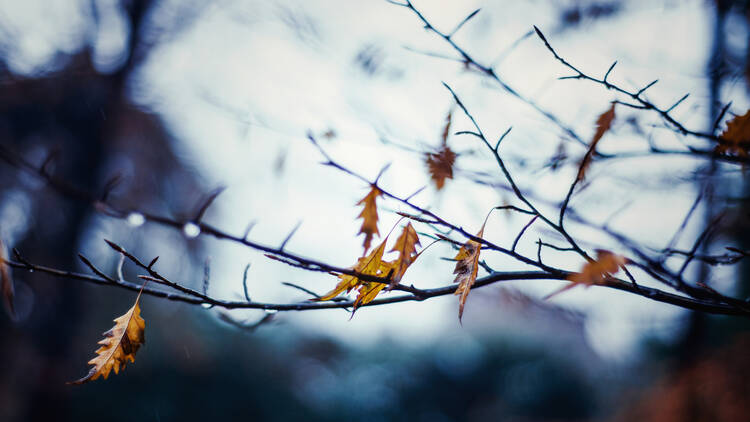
column 373, row 264
column 735, row 140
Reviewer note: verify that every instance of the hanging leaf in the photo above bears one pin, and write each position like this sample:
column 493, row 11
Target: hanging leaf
column 467, row 265
column 447, row 128
column 440, row 162
column 603, row 124
column 406, row 246
column 736, row 139
column 369, row 216
column 6, row 282
column 119, row 345
column 440, row 165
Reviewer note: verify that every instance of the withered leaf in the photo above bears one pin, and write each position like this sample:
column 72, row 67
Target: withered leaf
column 6, row 282
column 440, row 165
column 406, row 246
column 594, row 272
column 736, row 138
column 467, row 265
column 369, row 216
column 119, row 345
column 373, row 264
column 603, row 124
column 369, row 264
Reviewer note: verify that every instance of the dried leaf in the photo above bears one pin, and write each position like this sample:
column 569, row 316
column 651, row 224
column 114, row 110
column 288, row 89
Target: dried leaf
column 440, row 165
column 467, row 265
column 736, row 139
column 365, row 265
column 6, row 282
column 369, row 216
column 603, row 124
column 594, row 272
column 447, row 129
column 406, row 246
column 119, row 345
column 373, row 264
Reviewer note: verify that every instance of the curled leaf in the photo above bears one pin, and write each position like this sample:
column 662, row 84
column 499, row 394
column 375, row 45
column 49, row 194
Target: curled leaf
column 6, row 282
column 467, row 265
column 603, row 124
column 119, row 345
column 736, row 138
column 369, row 216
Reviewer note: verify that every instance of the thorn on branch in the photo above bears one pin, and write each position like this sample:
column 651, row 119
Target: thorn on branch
column 606, row 75
column 497, row 145
column 206, row 275
column 380, row 173
column 207, row 203
column 244, row 283
column 460, row 24
column 249, row 227
column 289, row 236
column 642, row 90
column 109, row 186
column 684, row 97
column 96, row 270
column 153, row 261
column 720, row 116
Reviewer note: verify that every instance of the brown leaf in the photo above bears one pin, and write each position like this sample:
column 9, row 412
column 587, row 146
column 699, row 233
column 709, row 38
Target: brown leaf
column 440, row 165
column 119, row 345
column 736, row 139
column 467, row 265
column 603, row 124
column 369, row 216
column 595, row 272
column 6, row 282
column 447, row 129
column 406, row 246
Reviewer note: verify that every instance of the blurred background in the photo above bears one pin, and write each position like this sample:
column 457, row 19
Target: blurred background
column 178, row 98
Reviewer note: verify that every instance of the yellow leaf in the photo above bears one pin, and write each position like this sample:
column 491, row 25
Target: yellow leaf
column 736, row 139
column 365, row 265
column 603, row 124
column 369, row 216
column 467, row 265
column 6, row 282
column 373, row 264
column 119, row 345
column 406, row 246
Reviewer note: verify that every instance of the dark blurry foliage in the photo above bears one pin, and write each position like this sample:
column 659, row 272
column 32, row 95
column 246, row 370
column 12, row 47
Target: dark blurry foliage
column 84, row 124
column 714, row 388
